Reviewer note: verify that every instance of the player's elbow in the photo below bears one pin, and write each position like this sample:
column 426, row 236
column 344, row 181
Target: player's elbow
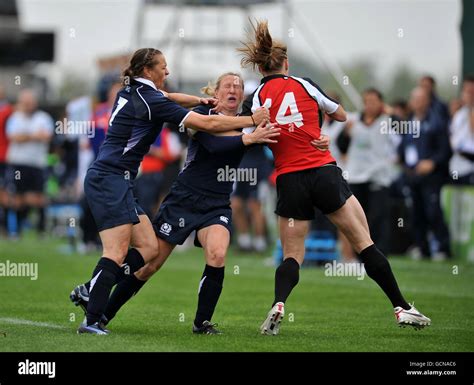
column 339, row 115
column 342, row 117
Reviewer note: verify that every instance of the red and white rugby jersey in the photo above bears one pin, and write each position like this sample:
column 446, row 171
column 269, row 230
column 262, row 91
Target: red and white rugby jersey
column 297, row 106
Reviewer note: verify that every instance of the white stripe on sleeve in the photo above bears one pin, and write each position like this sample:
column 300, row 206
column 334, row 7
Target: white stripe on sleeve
column 324, row 102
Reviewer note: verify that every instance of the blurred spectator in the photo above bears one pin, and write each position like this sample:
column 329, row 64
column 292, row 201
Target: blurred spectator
column 110, row 69
column 74, row 149
column 105, row 84
column 29, row 132
column 454, row 106
column 401, row 110
column 173, row 168
column 401, row 236
column 425, row 153
column 462, row 137
column 436, row 105
column 371, row 154
column 101, row 117
column 5, row 111
column 246, row 202
column 149, row 183
column 333, row 128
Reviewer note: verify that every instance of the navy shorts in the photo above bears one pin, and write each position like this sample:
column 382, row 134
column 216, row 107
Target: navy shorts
column 185, row 210
column 110, row 198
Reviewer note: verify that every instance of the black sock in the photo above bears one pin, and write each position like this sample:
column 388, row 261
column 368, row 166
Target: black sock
column 287, row 276
column 22, row 215
column 100, row 287
column 94, row 273
column 3, row 218
column 209, row 292
column 377, row 267
column 132, row 263
column 41, row 226
column 124, row 290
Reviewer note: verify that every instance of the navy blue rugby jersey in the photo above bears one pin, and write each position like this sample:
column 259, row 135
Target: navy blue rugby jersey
column 212, row 161
column 136, row 120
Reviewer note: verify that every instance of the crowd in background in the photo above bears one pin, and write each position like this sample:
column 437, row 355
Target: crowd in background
column 396, row 156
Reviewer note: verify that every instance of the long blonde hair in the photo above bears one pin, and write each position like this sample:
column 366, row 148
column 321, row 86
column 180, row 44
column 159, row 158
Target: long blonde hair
column 211, row 87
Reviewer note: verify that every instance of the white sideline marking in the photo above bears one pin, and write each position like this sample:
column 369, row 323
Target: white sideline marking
column 18, row 321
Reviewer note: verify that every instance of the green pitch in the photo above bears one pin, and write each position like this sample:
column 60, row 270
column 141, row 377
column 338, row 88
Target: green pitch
column 323, row 313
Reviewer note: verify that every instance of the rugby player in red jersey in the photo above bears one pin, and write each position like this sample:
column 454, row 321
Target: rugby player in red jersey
column 307, row 178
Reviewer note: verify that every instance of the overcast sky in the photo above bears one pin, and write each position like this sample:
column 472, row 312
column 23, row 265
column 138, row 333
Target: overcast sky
column 421, row 33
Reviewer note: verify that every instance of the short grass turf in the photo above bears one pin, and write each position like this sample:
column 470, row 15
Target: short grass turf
column 323, row 314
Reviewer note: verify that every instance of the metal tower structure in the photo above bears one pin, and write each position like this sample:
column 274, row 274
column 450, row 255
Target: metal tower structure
column 189, row 44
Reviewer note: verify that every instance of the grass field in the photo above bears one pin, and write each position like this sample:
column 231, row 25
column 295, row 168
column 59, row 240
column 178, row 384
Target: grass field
column 328, row 313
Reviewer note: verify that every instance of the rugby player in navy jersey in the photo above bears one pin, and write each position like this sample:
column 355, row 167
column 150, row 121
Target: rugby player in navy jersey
column 308, row 179
column 200, row 201
column 138, row 115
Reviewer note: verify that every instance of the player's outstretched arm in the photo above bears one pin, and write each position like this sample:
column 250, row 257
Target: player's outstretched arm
column 339, row 115
column 232, row 140
column 189, row 101
column 220, row 123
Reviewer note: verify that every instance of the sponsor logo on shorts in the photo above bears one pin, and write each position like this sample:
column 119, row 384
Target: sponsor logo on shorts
column 166, row 228
column 224, row 219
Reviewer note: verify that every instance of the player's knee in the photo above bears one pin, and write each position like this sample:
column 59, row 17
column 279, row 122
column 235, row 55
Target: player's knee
column 149, row 249
column 117, row 251
column 216, row 256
